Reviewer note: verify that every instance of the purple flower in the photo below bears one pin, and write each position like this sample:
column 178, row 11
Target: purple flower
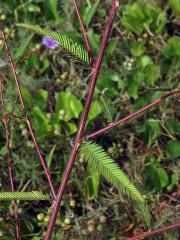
column 49, row 43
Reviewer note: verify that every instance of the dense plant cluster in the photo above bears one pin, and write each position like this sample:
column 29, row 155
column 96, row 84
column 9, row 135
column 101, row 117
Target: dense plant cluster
column 127, row 172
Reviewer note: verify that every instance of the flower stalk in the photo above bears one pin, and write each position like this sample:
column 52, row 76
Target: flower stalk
column 13, row 67
column 82, row 123
column 9, row 160
column 131, row 116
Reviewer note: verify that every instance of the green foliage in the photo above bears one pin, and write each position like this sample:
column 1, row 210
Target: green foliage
column 92, row 10
column 137, row 48
column 172, row 48
column 75, row 49
column 68, row 106
column 175, row 6
column 91, row 183
column 173, row 148
column 157, row 177
column 100, row 160
column 35, row 195
column 107, row 109
column 139, row 17
column 59, row 234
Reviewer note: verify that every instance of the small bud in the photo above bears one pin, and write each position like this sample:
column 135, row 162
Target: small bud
column 67, row 221
column 91, row 228
column 40, row 216
column 46, row 218
column 72, row 203
column 102, row 219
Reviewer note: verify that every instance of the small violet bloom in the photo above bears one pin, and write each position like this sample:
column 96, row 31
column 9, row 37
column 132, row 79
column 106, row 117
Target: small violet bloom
column 49, row 43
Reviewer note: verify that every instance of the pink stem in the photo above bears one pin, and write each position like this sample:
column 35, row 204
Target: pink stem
column 152, row 232
column 84, row 33
column 131, row 116
column 82, row 124
column 43, row 162
column 9, row 157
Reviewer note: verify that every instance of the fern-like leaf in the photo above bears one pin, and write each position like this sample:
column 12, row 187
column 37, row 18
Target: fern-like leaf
column 73, row 48
column 59, row 234
column 107, row 110
column 99, row 159
column 34, row 195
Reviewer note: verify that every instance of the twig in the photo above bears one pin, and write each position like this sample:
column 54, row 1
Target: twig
column 82, row 124
column 131, row 116
column 5, row 121
column 43, row 163
column 84, row 33
column 152, row 232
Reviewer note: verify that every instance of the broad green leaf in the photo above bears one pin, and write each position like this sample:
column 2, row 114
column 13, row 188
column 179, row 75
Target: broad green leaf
column 172, row 48
column 24, row 44
column 163, row 177
column 94, row 40
column 33, row 8
column 95, row 110
column 152, row 74
column 91, row 12
column 72, row 128
column 27, row 96
column 67, row 106
column 174, row 181
column 145, row 61
column 137, row 48
column 51, row 9
column 152, row 131
column 41, row 97
column 134, row 83
column 91, row 183
column 173, row 148
column 49, row 157
column 40, row 122
column 173, row 126
column 3, row 151
column 175, row 6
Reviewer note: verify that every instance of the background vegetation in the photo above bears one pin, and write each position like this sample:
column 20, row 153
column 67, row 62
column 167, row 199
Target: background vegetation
column 143, row 55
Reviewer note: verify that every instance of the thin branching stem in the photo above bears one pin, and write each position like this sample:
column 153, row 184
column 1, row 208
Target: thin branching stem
column 5, row 121
column 131, row 116
column 83, row 120
column 38, row 149
column 90, row 53
column 153, row 232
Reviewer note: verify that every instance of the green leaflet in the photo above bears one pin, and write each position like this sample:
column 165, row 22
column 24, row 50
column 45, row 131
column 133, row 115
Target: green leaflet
column 75, row 49
column 99, row 159
column 34, row 195
column 60, row 234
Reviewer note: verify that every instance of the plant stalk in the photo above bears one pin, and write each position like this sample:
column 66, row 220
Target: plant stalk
column 9, row 160
column 90, row 53
column 153, row 232
column 43, row 162
column 82, row 123
column 131, row 116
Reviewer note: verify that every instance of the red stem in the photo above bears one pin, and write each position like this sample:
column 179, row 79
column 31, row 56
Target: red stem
column 82, row 124
column 129, row 117
column 43, row 162
column 9, row 157
column 90, row 53
column 152, row 232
